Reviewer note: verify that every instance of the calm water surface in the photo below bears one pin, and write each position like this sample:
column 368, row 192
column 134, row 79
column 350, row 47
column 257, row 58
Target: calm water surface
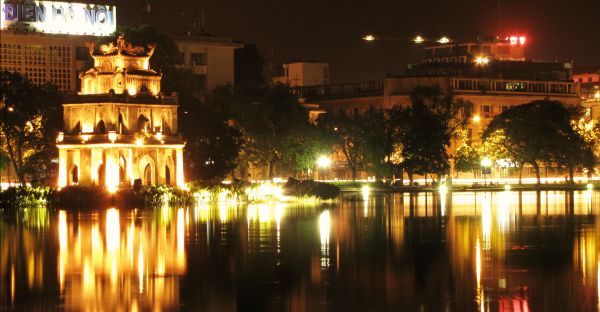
column 505, row 251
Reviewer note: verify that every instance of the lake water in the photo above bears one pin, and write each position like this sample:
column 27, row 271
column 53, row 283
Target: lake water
column 503, row 251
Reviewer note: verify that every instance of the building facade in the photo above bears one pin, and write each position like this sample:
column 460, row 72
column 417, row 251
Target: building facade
column 491, row 76
column 120, row 128
column 209, row 59
column 44, row 58
column 302, row 73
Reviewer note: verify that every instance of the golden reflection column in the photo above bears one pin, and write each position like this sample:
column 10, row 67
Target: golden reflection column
column 179, row 165
column 62, row 167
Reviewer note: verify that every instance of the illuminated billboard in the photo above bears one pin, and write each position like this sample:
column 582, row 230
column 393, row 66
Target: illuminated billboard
column 55, row 17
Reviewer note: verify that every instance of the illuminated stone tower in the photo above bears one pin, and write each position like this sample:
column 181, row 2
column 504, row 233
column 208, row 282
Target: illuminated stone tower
column 120, row 127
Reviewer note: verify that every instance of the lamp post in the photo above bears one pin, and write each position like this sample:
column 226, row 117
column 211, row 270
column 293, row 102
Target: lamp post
column 486, row 168
column 324, row 162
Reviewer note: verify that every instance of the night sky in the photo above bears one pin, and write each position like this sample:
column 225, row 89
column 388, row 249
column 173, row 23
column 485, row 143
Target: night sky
column 330, row 31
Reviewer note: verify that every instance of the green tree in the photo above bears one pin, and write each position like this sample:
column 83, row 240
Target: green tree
column 466, row 159
column 542, row 132
column 30, row 118
column 379, row 142
column 348, row 136
column 212, row 146
column 429, row 124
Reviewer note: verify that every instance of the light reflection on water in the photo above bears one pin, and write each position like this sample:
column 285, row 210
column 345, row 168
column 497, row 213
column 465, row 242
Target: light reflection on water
column 502, row 251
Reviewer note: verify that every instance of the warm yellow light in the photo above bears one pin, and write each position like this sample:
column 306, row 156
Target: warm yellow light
column 476, row 119
column 418, row 39
column 482, row 60
column 10, row 109
column 443, row 189
column 597, row 95
column 60, row 137
column 486, row 162
column 590, row 186
column 139, row 141
column 159, row 136
column 366, row 191
column 369, row 38
column 444, row 40
column 131, row 90
column 507, row 187
column 85, row 137
column 112, row 136
column 324, row 161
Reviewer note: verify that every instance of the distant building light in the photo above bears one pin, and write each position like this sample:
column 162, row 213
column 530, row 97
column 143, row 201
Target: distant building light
column 513, row 40
column 522, row 40
column 139, row 141
column 60, row 137
column 444, row 40
column 482, row 60
column 418, row 39
column 369, row 38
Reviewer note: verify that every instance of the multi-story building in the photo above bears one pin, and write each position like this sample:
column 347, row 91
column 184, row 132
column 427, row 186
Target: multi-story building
column 46, row 40
column 588, row 81
column 492, row 82
column 209, row 59
column 302, row 74
column 509, row 49
column 120, row 128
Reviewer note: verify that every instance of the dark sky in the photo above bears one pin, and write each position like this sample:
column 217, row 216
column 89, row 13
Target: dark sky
column 330, row 31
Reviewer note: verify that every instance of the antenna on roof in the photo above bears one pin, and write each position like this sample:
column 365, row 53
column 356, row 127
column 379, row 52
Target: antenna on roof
column 499, row 17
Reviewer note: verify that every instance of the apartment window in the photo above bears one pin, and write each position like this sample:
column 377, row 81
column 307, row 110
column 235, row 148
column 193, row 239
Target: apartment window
column 589, row 79
column 197, row 59
column 486, row 111
column 504, row 50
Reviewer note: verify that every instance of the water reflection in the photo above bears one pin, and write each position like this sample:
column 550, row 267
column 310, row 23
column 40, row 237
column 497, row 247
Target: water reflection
column 503, row 251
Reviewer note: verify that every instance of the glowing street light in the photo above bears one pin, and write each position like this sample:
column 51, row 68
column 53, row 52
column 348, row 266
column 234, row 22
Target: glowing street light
column 369, row 38
column 418, row 39
column 324, row 161
column 476, row 119
column 486, row 168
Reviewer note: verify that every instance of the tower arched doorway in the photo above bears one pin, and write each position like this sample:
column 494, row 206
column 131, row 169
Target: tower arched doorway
column 74, row 175
column 101, row 175
column 169, row 171
column 147, row 170
column 148, row 175
column 123, row 177
column 101, row 127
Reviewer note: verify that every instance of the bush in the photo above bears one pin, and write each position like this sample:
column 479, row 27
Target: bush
column 310, row 188
column 21, row 197
column 158, row 195
column 93, row 197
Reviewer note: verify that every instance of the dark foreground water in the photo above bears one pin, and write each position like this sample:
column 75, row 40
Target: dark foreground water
column 505, row 251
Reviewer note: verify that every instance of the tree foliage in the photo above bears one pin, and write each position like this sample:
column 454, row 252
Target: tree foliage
column 30, row 118
column 426, row 128
column 541, row 133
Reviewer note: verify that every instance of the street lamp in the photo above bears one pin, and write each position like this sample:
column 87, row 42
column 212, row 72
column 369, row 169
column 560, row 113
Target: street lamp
column 486, row 168
column 324, row 162
column 476, row 119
